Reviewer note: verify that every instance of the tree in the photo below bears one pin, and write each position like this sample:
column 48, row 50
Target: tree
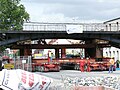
column 12, row 15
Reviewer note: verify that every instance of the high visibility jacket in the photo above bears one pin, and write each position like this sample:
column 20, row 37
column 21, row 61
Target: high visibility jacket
column 82, row 63
column 112, row 61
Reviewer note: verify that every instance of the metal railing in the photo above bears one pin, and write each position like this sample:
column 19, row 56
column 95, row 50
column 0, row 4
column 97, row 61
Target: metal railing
column 44, row 27
column 64, row 26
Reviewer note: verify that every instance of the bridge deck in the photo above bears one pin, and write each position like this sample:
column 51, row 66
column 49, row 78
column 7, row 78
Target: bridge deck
column 78, row 31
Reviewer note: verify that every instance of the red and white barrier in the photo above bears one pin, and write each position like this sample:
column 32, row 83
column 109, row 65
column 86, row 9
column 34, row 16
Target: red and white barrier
column 23, row 80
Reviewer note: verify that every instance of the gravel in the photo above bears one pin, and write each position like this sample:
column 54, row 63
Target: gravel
column 91, row 83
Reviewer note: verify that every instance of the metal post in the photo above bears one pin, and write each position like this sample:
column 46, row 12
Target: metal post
column 14, row 62
column 23, row 63
column 17, row 59
column 30, row 64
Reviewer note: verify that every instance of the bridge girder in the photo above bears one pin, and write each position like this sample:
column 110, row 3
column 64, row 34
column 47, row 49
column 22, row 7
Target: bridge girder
column 14, row 36
column 57, row 46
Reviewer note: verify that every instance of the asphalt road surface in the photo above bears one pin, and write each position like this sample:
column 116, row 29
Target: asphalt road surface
column 74, row 74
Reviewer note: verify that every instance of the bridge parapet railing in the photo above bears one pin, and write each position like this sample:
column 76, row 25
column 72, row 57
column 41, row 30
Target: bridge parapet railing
column 64, row 27
column 102, row 27
column 93, row 27
column 44, row 27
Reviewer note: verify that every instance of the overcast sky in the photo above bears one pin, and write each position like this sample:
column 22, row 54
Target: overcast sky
column 72, row 10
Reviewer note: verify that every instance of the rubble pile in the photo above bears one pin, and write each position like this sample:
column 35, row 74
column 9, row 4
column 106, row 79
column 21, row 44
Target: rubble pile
column 113, row 83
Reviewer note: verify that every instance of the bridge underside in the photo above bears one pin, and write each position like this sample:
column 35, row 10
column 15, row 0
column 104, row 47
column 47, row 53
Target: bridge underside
column 10, row 38
column 49, row 46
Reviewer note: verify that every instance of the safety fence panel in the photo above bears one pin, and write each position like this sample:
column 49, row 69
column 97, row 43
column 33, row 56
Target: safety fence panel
column 23, row 62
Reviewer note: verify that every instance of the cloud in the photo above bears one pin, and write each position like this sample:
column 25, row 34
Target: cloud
column 66, row 10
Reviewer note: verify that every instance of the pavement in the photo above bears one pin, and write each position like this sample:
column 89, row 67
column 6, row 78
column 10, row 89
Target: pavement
column 64, row 80
column 74, row 73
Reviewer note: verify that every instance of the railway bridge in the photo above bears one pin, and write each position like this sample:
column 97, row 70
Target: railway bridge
column 93, row 34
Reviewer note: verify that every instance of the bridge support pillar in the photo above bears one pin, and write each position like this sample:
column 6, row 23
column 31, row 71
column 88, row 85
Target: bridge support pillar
column 56, row 53
column 25, row 52
column 63, row 52
column 21, row 52
column 99, row 53
column 90, row 52
column 94, row 52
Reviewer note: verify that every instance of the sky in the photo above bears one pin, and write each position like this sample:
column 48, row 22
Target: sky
column 72, row 10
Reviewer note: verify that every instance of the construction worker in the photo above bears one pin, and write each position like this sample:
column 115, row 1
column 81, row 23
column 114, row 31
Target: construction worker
column 82, row 65
column 112, row 62
column 49, row 56
column 88, row 65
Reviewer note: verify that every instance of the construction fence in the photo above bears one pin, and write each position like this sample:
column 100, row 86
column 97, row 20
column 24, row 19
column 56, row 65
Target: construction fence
column 23, row 62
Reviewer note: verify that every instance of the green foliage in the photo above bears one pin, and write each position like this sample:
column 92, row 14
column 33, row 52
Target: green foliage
column 2, row 48
column 12, row 15
column 118, row 61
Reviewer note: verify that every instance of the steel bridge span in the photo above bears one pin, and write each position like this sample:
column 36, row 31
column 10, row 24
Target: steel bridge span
column 76, row 31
